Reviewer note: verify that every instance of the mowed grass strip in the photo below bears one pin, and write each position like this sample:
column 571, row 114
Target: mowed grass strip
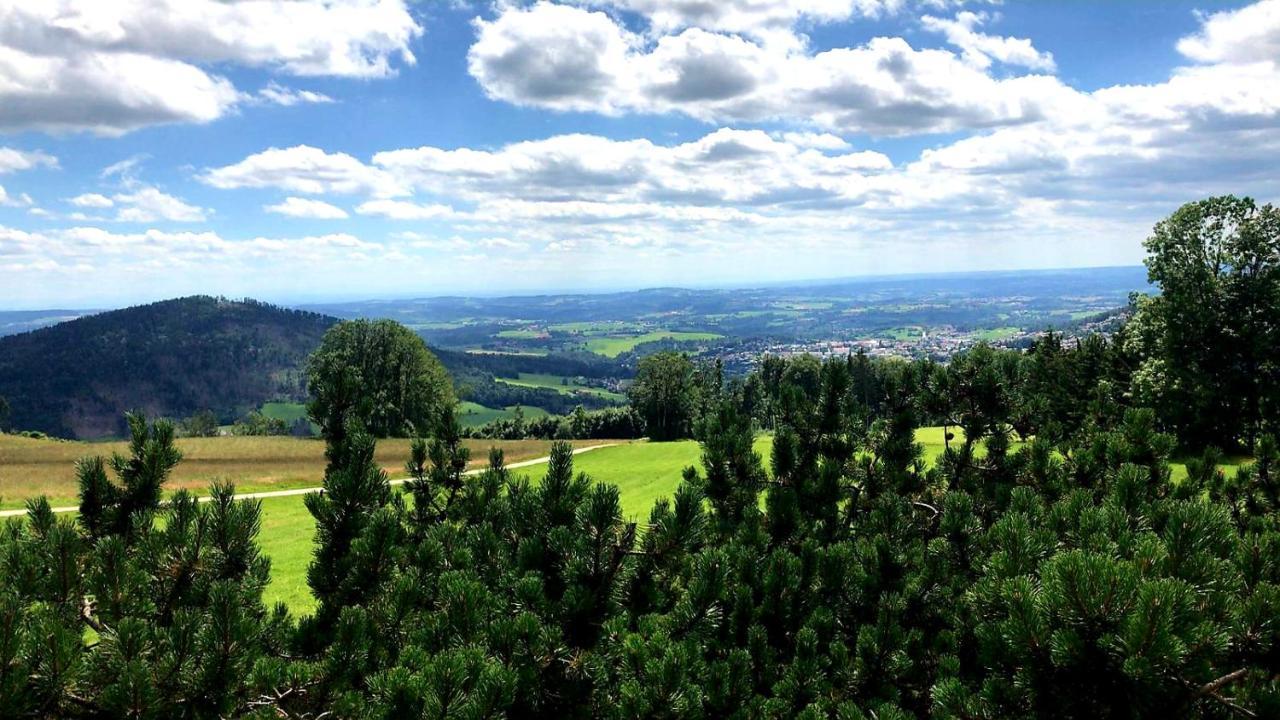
column 30, row 467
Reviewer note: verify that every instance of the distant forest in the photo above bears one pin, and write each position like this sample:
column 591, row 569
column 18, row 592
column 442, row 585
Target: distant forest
column 172, row 358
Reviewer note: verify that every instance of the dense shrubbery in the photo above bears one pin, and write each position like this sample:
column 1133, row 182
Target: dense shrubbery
column 1063, row 579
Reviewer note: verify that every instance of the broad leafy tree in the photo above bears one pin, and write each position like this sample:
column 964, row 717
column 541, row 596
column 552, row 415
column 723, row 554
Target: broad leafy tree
column 666, row 394
column 1210, row 341
column 379, row 373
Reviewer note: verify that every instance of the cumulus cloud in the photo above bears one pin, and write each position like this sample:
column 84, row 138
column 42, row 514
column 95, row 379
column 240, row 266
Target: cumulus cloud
column 108, row 68
column 774, row 22
column 403, row 210
column 981, row 49
column 1245, row 35
column 20, row 200
column 570, row 58
column 70, row 246
column 739, row 166
column 277, row 94
column 91, row 200
column 306, row 208
column 148, row 204
column 12, row 160
column 302, row 169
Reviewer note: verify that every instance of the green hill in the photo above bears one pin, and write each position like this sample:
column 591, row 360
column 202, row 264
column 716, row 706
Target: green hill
column 171, row 358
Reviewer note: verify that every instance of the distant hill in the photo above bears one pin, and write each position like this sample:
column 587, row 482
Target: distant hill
column 170, row 358
column 13, row 322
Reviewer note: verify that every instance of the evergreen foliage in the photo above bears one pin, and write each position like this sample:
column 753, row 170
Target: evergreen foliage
column 173, row 358
column 137, row 610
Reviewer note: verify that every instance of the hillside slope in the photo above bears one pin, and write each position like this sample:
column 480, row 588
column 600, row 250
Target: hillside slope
column 170, row 358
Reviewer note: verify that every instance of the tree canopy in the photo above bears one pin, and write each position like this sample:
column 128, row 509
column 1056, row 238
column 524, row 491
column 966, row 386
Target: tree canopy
column 379, row 373
column 665, row 394
column 1209, row 343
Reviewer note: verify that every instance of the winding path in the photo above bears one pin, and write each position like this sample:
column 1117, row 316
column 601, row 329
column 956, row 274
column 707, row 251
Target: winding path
column 309, row 490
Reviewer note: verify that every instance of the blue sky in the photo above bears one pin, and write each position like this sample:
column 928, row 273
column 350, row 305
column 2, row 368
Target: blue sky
column 292, row 150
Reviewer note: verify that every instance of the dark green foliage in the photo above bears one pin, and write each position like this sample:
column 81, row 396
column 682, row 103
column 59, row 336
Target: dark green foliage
column 1070, row 582
column 174, row 358
column 170, row 594
column 124, row 507
column 380, row 374
column 581, row 424
column 202, row 424
column 355, row 491
column 1209, row 344
column 255, row 423
column 666, row 393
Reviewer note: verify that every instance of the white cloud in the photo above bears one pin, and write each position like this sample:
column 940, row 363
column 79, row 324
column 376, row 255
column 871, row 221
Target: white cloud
column 148, row 204
column 980, row 49
column 819, row 141
column 124, row 168
column 277, row 94
column 302, row 169
column 733, row 166
column 12, row 160
column 112, row 67
column 91, row 200
column 569, row 58
column 556, row 56
column 20, row 200
column 1245, row 35
column 774, row 22
column 305, row 208
column 402, row 210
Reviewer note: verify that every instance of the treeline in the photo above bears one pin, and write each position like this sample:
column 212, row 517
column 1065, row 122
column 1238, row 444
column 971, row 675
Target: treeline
column 1204, row 354
column 610, row 423
column 474, row 376
column 588, row 365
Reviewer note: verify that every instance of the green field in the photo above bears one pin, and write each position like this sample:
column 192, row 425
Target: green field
column 519, row 334
column 994, row 334
column 594, row 327
column 901, row 333
column 615, row 346
column 562, row 385
column 473, row 415
column 288, row 412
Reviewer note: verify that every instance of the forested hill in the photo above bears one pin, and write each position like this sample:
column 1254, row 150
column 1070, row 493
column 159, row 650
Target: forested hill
column 170, row 358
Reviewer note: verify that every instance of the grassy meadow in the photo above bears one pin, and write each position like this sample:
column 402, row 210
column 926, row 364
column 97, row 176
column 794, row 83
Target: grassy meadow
column 474, row 415
column 30, row 467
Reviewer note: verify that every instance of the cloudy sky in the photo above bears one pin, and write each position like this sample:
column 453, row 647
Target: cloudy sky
column 291, row 149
